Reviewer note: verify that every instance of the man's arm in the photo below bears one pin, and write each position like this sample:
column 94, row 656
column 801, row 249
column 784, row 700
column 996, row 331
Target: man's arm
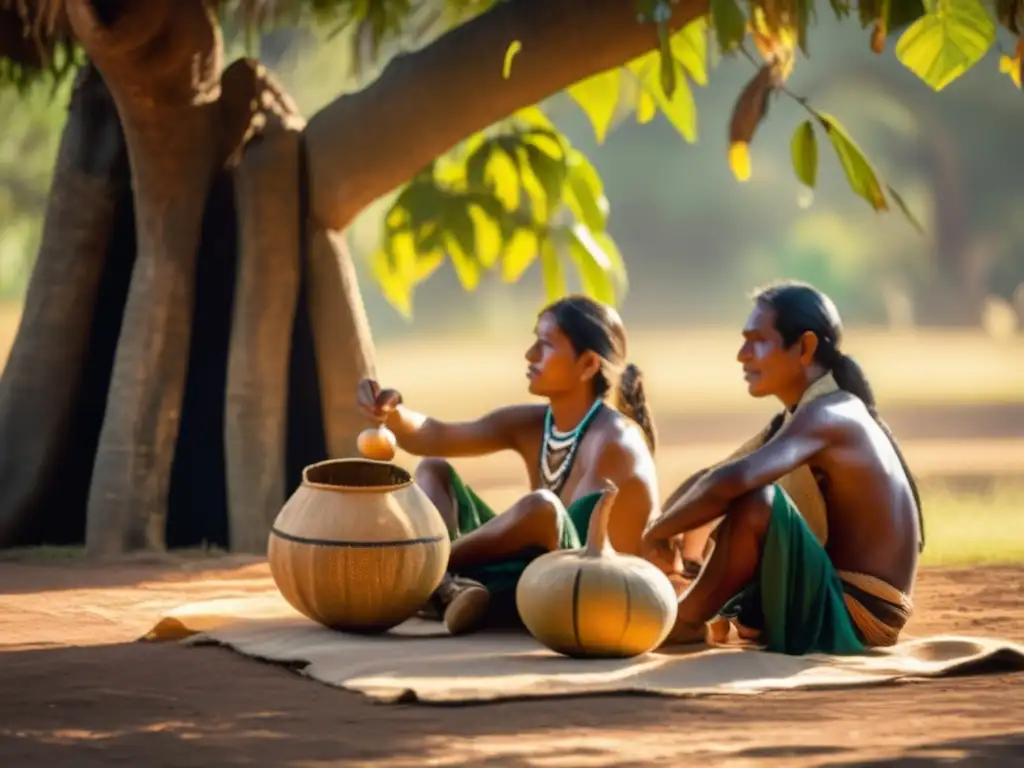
column 800, row 440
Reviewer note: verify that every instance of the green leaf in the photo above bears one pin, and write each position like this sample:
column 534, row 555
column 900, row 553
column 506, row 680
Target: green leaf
column 681, row 109
column 598, row 96
column 904, row 12
column 593, row 266
column 947, row 41
column 460, row 238
column 554, row 275
column 549, row 170
column 841, row 8
column 805, row 154
column 666, row 63
column 459, row 224
column 690, row 47
column 730, row 24
column 859, row 173
column 520, row 251
column 614, row 256
column 585, row 196
column 902, row 205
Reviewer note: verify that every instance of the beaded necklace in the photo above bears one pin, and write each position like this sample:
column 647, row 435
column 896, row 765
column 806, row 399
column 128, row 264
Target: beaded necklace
column 558, row 449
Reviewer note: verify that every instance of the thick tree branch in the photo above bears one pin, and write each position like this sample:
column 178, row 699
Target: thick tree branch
column 365, row 144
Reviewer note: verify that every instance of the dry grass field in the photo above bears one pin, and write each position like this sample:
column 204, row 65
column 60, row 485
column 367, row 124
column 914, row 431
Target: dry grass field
column 693, row 372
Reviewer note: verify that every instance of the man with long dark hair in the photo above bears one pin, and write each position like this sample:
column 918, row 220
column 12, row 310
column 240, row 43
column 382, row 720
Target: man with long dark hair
column 847, row 587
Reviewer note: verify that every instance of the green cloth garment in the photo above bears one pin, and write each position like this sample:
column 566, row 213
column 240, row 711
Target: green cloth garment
column 501, row 578
column 796, row 597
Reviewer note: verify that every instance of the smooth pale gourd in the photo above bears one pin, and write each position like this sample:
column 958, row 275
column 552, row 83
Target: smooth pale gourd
column 377, row 443
column 595, row 602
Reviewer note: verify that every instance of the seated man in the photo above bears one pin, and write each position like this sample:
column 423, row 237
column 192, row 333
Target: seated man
column 570, row 447
column 767, row 570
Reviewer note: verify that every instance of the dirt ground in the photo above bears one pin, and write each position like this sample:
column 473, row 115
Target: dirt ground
column 76, row 690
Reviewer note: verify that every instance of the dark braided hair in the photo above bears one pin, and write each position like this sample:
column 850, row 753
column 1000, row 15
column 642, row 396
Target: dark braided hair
column 594, row 327
column 800, row 308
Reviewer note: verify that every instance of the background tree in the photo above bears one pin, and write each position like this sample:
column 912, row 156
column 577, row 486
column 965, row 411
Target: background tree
column 193, row 329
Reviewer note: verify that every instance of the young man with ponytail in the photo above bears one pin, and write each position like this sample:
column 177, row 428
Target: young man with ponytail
column 595, row 427
column 841, row 583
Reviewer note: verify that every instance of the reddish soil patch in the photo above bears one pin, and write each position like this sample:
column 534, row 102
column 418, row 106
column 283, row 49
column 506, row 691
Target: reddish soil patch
column 76, row 691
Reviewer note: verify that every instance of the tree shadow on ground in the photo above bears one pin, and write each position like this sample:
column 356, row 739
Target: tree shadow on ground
column 50, row 569
column 159, row 704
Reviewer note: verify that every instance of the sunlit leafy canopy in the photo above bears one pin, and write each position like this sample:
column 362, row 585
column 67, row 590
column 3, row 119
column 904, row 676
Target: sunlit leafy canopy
column 518, row 192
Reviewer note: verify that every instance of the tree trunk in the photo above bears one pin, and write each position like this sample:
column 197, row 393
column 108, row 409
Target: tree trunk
column 363, row 145
column 162, row 62
column 48, row 397
column 266, row 296
column 341, row 335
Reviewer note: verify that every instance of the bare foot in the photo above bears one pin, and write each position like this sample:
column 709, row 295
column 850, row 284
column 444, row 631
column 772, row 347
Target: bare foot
column 687, row 633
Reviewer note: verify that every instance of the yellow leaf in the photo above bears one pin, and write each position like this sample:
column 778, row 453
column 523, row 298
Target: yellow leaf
column 488, row 237
column 1011, row 67
column 467, row 268
column 426, row 265
column 681, row 109
column 947, row 41
column 510, row 54
column 402, row 247
column 397, row 292
column 502, row 174
column 646, row 107
column 520, row 252
column 598, row 96
column 739, row 160
column 535, row 116
column 690, row 47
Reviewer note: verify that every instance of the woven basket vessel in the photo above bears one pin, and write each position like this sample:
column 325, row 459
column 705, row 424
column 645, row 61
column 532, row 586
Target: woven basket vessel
column 358, row 547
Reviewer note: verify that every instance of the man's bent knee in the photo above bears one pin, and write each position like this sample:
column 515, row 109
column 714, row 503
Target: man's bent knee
column 433, row 470
column 754, row 509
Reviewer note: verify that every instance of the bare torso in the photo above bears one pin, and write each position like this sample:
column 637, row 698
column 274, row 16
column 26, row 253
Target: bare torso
column 872, row 516
column 608, row 428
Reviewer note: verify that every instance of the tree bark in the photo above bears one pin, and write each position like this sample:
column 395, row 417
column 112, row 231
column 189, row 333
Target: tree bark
column 162, row 62
column 341, row 336
column 365, row 144
column 266, row 295
column 40, row 403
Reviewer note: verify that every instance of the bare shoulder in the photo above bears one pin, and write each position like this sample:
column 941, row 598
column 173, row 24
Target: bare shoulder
column 835, row 415
column 620, row 448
